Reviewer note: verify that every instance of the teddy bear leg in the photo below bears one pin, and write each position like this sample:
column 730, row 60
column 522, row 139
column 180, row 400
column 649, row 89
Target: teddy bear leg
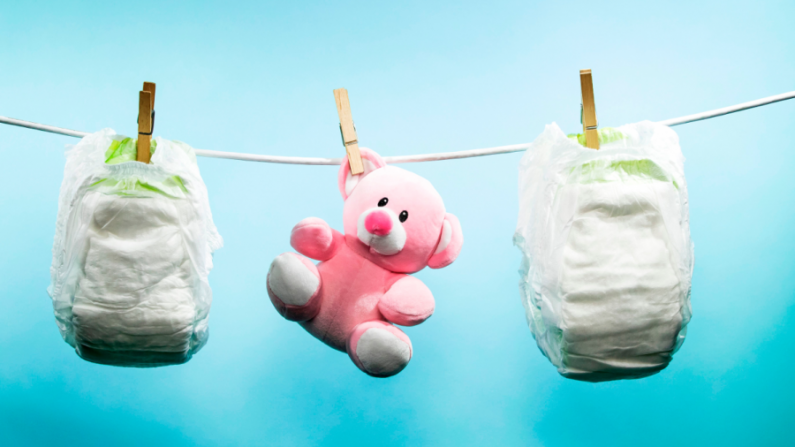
column 294, row 287
column 379, row 349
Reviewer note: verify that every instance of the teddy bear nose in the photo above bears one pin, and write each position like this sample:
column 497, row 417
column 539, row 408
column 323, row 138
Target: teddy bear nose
column 378, row 223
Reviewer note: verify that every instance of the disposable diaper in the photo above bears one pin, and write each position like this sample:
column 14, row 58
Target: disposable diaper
column 607, row 259
column 132, row 253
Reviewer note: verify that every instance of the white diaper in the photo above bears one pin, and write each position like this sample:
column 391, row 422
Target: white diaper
column 607, row 252
column 132, row 253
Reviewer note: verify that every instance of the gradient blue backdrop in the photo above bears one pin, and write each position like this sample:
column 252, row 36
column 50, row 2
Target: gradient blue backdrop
column 422, row 78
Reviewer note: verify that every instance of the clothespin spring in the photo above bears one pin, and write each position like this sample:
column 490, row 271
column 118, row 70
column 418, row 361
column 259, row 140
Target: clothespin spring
column 342, row 137
column 153, row 125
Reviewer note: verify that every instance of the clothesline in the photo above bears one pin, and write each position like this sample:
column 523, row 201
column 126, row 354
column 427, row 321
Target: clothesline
column 409, row 158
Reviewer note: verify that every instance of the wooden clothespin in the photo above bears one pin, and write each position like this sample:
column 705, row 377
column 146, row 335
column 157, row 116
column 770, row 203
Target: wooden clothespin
column 146, row 121
column 588, row 110
column 348, row 131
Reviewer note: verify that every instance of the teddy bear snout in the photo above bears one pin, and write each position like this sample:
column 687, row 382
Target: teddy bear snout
column 381, row 230
column 378, row 223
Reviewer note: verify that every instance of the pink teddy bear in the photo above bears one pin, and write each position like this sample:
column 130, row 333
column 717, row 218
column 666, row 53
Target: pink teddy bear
column 395, row 224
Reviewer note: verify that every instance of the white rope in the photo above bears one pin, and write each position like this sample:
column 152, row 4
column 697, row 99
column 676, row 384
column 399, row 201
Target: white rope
column 409, row 158
column 728, row 110
column 44, row 127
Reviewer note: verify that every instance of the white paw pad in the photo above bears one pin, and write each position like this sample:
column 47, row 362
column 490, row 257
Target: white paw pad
column 382, row 353
column 292, row 281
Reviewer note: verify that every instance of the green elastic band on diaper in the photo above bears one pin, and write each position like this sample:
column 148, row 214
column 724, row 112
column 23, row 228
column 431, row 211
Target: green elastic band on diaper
column 602, row 171
column 606, row 135
column 126, row 150
column 172, row 187
column 121, row 151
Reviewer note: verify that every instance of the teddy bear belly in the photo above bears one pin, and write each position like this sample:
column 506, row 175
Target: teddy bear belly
column 351, row 288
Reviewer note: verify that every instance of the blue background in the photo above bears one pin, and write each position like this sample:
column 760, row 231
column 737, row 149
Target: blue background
column 422, row 78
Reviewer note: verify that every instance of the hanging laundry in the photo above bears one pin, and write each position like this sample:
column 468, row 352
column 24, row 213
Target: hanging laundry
column 608, row 259
column 132, row 253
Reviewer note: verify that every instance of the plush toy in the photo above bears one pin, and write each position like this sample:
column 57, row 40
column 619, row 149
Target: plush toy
column 395, row 224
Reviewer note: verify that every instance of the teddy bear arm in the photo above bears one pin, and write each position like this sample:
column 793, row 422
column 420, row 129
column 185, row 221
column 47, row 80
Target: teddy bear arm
column 314, row 238
column 408, row 302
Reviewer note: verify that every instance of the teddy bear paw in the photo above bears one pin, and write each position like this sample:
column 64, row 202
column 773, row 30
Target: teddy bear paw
column 294, row 286
column 379, row 349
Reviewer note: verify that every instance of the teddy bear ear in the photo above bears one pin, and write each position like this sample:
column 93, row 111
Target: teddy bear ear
column 347, row 182
column 450, row 243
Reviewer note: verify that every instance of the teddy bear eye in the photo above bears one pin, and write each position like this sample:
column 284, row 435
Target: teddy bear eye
column 383, row 202
column 403, row 216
